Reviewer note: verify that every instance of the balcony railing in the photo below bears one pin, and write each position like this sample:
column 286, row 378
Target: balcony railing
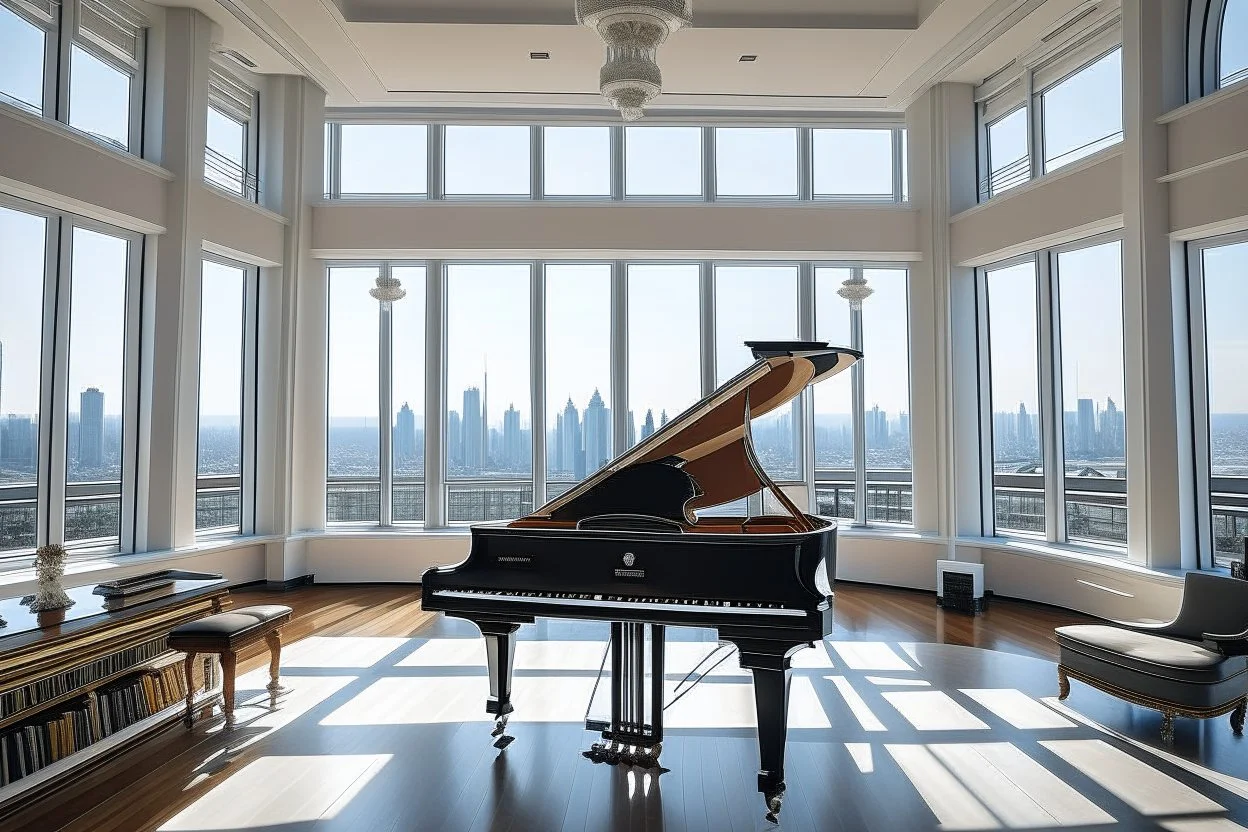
column 218, row 504
column 1229, row 503
column 470, row 501
column 1096, row 507
column 230, row 176
column 889, row 498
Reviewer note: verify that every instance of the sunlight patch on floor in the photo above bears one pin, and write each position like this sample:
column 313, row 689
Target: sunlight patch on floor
column 1018, row 709
column 861, row 754
column 1202, row 825
column 339, row 651
column 858, row 706
column 952, row 804
column 448, row 699
column 1134, row 782
column 885, row 681
column 869, row 655
column 275, row 792
column 934, row 710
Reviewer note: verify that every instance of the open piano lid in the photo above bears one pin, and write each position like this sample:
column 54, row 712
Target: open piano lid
column 704, row 457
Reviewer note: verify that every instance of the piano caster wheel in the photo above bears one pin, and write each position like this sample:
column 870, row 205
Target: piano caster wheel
column 500, row 727
column 774, row 801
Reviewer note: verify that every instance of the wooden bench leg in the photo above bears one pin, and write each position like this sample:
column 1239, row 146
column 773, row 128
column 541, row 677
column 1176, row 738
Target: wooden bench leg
column 188, row 668
column 1167, row 727
column 274, row 640
column 228, row 662
column 1237, row 717
column 1063, row 683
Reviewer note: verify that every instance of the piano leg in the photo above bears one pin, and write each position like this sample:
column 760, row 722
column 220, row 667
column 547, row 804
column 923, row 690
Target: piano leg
column 500, row 650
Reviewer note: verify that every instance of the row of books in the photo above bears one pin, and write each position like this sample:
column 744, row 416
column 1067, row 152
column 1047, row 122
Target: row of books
column 61, row 731
column 51, row 687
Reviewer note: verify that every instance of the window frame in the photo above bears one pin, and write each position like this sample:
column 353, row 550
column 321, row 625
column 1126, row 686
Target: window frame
column 248, row 398
column 1205, row 20
column 1040, row 161
column 250, row 188
column 50, row 25
column 69, row 38
column 1199, row 361
column 1051, row 405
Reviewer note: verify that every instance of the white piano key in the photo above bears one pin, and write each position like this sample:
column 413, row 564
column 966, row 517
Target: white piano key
column 522, row 600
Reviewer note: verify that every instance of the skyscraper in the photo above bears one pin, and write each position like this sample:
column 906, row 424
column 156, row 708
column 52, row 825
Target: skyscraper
column 597, row 433
column 454, row 439
column 91, row 428
column 18, row 449
column 647, row 427
column 1087, row 426
column 405, row 435
column 513, row 447
column 570, row 457
column 1025, row 436
column 632, row 430
column 877, row 428
column 473, row 432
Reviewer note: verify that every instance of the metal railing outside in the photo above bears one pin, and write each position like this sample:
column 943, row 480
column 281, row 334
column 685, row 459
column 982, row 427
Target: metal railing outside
column 1007, row 176
column 470, row 501
column 229, row 175
column 218, row 503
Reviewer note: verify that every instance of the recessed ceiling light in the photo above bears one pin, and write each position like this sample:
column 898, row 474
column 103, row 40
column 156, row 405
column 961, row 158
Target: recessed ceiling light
column 539, row 56
column 745, row 59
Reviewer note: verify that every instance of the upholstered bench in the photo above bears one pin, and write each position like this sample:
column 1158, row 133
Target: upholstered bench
column 1196, row 665
column 226, row 634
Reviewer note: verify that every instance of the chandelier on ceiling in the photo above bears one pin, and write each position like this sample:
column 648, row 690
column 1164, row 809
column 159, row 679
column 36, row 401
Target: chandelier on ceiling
column 387, row 291
column 855, row 290
column 633, row 31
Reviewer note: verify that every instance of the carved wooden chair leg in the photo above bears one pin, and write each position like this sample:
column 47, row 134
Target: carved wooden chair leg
column 1167, row 727
column 1237, row 717
column 1063, row 683
column 229, row 661
column 188, row 668
column 274, row 640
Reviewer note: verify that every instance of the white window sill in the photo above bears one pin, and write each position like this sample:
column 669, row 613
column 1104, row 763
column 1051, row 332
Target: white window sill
column 78, row 137
column 1071, row 553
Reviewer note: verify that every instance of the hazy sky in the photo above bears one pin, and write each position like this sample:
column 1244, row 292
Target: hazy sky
column 221, row 344
column 1234, row 47
column 1090, row 281
column 1012, row 338
column 1226, row 311
column 1082, row 109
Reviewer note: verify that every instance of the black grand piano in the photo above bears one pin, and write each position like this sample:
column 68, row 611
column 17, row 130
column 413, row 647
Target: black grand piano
column 628, row 546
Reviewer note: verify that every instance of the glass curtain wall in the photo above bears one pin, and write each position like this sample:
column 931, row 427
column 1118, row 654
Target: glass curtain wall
column 664, row 345
column 222, row 353
column 886, row 376
column 407, row 396
column 835, row 479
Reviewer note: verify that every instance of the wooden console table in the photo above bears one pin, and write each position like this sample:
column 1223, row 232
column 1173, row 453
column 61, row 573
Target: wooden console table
column 68, row 667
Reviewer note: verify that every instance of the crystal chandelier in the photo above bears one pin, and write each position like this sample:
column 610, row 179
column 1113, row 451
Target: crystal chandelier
column 855, row 290
column 388, row 290
column 633, row 31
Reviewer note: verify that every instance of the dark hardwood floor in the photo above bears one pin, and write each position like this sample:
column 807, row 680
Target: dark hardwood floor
column 894, row 725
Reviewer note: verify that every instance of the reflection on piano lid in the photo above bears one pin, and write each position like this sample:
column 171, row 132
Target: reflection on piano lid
column 702, row 458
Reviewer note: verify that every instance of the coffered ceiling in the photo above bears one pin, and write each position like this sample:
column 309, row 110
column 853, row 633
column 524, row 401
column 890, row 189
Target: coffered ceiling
column 812, row 55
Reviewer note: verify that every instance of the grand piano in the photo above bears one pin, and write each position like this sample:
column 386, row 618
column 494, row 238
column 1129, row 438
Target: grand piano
column 630, row 546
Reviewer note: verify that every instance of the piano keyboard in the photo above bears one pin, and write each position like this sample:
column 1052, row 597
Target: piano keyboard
column 627, row 602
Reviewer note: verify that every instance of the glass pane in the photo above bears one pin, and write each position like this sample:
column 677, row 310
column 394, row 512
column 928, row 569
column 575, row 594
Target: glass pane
column 384, row 159
column 1009, row 165
column 487, row 161
column 354, row 462
column 488, row 426
column 1225, row 272
column 225, row 156
column 577, row 161
column 407, row 336
column 834, row 403
column 99, row 98
column 97, row 342
column 756, row 161
column 1233, row 45
column 578, row 372
column 21, row 61
column 218, row 503
column 853, row 163
column 23, row 241
column 886, row 381
column 1094, row 429
column 662, row 161
column 664, row 357
column 1013, row 350
column 1083, row 113
column 759, row 303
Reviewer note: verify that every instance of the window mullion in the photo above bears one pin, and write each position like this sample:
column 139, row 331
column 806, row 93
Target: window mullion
column 65, row 41
column 709, row 186
column 706, row 297
column 49, row 383
column 437, row 143
column 58, row 449
column 537, row 379
column 435, row 394
column 859, row 415
column 987, row 468
column 385, row 407
column 1035, row 126
column 1048, row 329
column 898, row 161
column 537, row 163
column 806, row 332
column 617, row 162
column 805, row 165
column 1198, row 340
column 250, row 372
column 621, row 421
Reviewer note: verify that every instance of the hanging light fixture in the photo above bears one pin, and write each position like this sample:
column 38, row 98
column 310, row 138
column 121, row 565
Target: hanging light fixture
column 633, row 31
column 855, row 290
column 388, row 290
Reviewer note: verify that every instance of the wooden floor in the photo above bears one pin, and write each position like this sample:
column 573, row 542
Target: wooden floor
column 897, row 722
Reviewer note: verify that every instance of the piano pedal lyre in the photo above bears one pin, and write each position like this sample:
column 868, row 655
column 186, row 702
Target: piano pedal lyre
column 500, row 733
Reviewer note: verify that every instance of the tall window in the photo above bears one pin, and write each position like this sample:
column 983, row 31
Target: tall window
column 664, row 345
column 886, row 375
column 23, row 257
column 354, row 442
column 1093, row 388
column 489, row 425
column 24, row 33
column 576, row 161
column 106, row 72
column 383, row 159
column 407, row 397
column 1083, row 113
column 1233, row 43
column 1220, row 290
column 1009, row 165
column 850, row 163
column 231, row 148
column 578, row 373
column 487, row 161
column 1014, row 369
column 759, row 303
column 756, row 161
column 662, row 161
column 223, row 397
column 835, row 480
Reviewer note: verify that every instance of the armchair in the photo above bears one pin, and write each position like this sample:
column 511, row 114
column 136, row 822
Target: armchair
column 1194, row 666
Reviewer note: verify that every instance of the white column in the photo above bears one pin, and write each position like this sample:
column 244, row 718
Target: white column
column 943, row 387
column 170, row 362
column 1160, row 473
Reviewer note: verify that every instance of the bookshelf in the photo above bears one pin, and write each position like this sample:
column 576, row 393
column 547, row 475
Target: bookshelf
column 73, row 693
